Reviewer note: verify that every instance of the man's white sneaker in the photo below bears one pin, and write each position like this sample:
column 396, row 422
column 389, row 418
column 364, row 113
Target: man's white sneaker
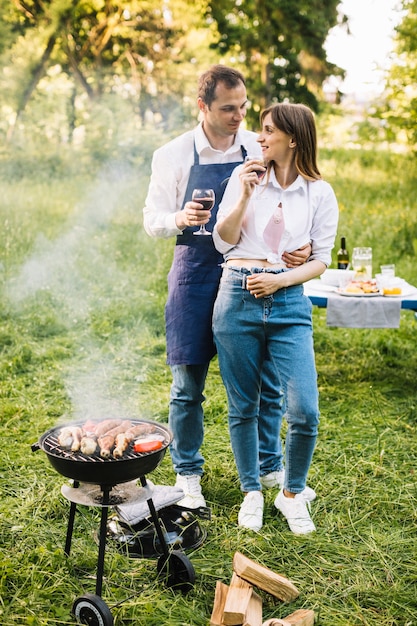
column 251, row 511
column 297, row 513
column 277, row 479
column 193, row 497
column 273, row 479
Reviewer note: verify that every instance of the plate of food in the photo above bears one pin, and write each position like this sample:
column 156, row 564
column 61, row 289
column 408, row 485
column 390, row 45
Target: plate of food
column 360, row 288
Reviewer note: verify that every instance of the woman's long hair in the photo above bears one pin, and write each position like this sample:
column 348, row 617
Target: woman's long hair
column 297, row 121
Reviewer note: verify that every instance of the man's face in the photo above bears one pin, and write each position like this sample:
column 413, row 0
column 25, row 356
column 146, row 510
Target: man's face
column 226, row 112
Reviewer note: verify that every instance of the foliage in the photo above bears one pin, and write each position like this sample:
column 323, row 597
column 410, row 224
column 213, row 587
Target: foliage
column 81, row 330
column 134, row 49
column 280, row 45
column 399, row 110
column 70, row 57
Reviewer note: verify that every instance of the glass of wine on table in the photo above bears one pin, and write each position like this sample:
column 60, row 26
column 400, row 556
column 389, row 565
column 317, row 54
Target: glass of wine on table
column 206, row 198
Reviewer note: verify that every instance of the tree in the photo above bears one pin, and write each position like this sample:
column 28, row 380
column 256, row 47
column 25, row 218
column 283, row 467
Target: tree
column 280, row 45
column 400, row 111
column 101, row 44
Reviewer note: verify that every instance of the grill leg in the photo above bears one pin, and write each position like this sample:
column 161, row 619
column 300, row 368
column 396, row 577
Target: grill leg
column 102, row 541
column 156, row 521
column 70, row 526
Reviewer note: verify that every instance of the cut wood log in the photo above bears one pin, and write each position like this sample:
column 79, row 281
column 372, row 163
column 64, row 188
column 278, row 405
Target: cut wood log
column 220, row 595
column 237, row 601
column 253, row 615
column 264, row 578
column 302, row 617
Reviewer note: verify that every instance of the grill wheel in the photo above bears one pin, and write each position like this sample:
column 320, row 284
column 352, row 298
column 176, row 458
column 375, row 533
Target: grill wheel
column 91, row 609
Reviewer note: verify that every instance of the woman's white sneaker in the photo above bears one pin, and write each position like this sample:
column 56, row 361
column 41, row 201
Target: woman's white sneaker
column 252, row 511
column 277, row 479
column 297, row 513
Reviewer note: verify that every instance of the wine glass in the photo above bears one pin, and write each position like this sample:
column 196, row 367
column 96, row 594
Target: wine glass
column 258, row 161
column 206, row 198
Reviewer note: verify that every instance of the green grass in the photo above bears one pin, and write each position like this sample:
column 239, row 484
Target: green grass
column 81, row 326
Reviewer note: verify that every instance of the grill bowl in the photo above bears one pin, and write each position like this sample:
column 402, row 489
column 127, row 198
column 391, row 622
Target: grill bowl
column 96, row 470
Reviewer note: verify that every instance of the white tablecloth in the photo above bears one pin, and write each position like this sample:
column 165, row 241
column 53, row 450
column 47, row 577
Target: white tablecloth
column 363, row 312
column 360, row 311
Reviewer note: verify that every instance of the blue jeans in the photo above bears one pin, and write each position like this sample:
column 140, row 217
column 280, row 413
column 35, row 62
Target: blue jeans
column 186, row 418
column 248, row 332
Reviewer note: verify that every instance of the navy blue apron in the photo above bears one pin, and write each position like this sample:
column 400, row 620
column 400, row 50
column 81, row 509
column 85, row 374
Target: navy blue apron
column 194, row 277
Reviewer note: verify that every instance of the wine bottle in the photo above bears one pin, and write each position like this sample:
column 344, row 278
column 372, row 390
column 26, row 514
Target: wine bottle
column 342, row 255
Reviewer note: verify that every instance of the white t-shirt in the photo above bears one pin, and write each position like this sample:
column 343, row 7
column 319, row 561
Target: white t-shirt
column 171, row 166
column 309, row 210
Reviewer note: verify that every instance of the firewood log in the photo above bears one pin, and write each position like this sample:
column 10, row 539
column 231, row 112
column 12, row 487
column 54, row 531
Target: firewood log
column 220, row 595
column 237, row 601
column 302, row 617
column 264, row 578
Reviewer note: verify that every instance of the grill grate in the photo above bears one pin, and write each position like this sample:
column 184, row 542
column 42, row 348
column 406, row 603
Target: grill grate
column 51, row 446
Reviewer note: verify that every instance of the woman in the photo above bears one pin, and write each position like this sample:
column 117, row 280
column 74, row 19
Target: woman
column 261, row 311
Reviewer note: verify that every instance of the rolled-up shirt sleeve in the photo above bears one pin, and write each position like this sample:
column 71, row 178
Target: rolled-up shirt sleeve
column 324, row 226
column 229, row 199
column 164, row 196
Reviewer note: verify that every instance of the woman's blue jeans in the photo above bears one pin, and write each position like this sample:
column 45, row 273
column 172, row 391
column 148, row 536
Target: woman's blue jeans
column 249, row 331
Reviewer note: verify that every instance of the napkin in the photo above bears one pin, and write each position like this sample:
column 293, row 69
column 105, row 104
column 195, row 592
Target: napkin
column 162, row 496
column 363, row 312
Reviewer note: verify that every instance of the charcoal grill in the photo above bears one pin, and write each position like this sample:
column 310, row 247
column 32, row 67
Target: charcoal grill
column 111, row 482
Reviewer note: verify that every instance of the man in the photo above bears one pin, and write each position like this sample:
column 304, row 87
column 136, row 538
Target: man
column 203, row 157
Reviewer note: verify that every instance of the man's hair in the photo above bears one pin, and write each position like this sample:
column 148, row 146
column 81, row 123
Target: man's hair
column 297, row 121
column 215, row 75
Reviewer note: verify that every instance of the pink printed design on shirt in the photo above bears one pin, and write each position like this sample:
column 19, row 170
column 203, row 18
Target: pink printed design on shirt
column 274, row 229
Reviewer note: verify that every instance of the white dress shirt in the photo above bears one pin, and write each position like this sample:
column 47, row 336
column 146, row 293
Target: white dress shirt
column 171, row 166
column 310, row 213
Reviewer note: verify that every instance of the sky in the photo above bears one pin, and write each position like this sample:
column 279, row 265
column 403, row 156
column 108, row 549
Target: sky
column 364, row 53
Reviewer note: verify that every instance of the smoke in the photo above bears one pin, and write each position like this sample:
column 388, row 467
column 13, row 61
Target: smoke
column 73, row 275
column 69, row 267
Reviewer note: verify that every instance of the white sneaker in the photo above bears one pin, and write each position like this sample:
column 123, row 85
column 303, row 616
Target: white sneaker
column 277, row 479
column 273, row 479
column 251, row 511
column 297, row 513
column 193, row 497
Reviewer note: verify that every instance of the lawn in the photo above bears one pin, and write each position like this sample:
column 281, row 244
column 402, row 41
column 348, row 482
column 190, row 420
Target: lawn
column 82, row 333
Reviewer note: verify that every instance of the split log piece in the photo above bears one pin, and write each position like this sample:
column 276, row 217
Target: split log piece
column 253, row 615
column 302, row 617
column 237, row 601
column 220, row 595
column 264, row 578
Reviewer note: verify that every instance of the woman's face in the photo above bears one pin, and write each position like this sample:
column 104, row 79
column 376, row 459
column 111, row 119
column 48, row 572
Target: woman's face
column 275, row 143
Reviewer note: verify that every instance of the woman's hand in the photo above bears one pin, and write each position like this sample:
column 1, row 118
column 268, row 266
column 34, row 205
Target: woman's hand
column 264, row 284
column 250, row 175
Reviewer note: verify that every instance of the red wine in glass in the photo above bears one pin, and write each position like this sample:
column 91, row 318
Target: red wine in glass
column 257, row 161
column 206, row 198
